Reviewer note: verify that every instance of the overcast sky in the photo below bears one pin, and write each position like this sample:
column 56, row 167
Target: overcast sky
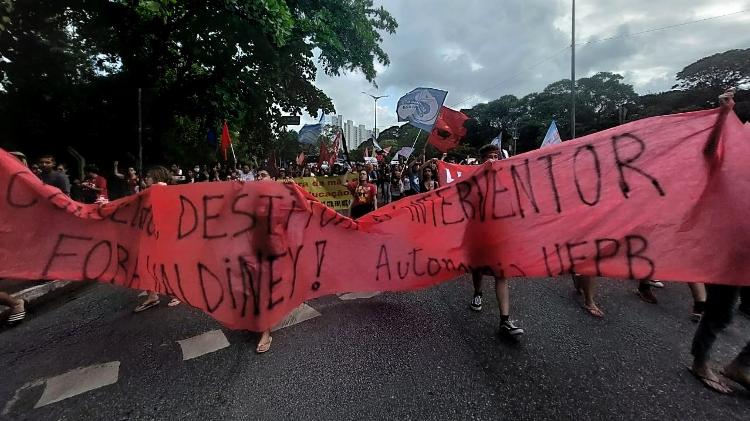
column 479, row 50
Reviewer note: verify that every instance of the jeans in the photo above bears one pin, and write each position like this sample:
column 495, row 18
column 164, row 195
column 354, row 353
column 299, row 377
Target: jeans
column 718, row 315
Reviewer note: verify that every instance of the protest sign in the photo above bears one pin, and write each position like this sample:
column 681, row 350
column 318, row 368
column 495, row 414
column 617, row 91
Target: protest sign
column 331, row 191
column 664, row 197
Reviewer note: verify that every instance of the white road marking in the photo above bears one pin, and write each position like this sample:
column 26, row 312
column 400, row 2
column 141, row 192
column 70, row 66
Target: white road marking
column 203, row 344
column 300, row 314
column 358, row 295
column 80, row 380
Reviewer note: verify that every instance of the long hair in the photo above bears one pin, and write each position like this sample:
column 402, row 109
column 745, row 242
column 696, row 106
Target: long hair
column 160, row 174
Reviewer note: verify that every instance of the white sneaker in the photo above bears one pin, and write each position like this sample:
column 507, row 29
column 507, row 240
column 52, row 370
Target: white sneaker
column 476, row 303
column 656, row 284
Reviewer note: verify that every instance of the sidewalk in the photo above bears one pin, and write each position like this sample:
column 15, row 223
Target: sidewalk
column 35, row 292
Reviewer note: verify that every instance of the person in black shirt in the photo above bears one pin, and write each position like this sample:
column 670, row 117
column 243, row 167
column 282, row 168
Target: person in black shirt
column 51, row 176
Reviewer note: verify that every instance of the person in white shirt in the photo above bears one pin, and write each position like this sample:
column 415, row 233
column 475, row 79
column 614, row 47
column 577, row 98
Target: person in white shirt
column 247, row 174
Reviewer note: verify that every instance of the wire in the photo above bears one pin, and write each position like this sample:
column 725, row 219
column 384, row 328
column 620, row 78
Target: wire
column 513, row 76
column 663, row 28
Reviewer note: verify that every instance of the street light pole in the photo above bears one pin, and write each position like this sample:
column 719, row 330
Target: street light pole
column 573, row 74
column 376, row 98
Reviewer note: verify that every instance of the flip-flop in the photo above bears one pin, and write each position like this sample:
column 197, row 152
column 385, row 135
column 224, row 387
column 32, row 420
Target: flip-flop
column 146, row 306
column 594, row 311
column 740, row 382
column 262, row 348
column 715, row 385
column 173, row 302
column 18, row 316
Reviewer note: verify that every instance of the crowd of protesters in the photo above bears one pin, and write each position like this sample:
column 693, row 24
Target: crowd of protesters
column 383, row 182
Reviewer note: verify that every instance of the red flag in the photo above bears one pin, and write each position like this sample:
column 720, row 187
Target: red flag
column 335, row 148
column 226, row 141
column 323, row 154
column 449, row 129
column 301, row 159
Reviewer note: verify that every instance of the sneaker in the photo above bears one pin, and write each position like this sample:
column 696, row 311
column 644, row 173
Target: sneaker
column 509, row 327
column 476, row 303
column 696, row 317
column 647, row 296
column 656, row 284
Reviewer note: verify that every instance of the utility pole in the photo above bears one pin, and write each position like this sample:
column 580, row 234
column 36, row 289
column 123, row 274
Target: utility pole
column 573, row 74
column 140, row 136
column 375, row 126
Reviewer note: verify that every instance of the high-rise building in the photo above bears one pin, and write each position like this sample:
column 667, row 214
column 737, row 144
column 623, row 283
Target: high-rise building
column 355, row 134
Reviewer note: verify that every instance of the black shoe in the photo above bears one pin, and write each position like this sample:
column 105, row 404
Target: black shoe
column 510, row 328
column 476, row 302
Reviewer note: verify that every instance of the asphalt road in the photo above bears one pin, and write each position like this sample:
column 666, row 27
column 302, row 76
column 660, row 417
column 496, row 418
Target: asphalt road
column 418, row 355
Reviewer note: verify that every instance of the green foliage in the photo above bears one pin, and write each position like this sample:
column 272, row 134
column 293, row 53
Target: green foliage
column 718, row 72
column 75, row 67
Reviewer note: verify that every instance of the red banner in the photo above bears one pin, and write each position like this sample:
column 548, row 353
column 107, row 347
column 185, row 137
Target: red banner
column 665, row 197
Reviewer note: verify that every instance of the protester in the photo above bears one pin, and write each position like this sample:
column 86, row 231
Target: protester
column 428, row 183
column 414, row 181
column 716, row 317
column 36, row 170
column 507, row 326
column 20, row 156
column 365, row 196
column 264, row 343
column 263, row 175
column 191, row 176
column 156, row 176
column 396, row 190
column 697, row 290
column 131, row 179
column 51, row 176
column 718, row 314
column 96, row 184
column 247, row 174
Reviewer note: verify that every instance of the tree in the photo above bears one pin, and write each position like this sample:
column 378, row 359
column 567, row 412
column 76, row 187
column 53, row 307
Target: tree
column 717, row 72
column 74, row 68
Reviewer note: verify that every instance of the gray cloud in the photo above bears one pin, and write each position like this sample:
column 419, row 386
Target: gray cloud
column 479, row 50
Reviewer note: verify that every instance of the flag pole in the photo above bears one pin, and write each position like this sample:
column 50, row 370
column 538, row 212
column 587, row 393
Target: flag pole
column 231, row 147
column 415, row 139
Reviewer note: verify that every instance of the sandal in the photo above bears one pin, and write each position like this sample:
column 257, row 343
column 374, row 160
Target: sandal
column 18, row 316
column 594, row 310
column 263, row 347
column 145, row 306
column 714, row 384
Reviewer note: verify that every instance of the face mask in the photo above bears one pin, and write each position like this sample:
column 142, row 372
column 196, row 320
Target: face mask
column 197, row 169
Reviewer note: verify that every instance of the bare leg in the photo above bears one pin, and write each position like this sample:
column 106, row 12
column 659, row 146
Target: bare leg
column 588, row 286
column 503, row 296
column 17, row 306
column 699, row 300
column 264, row 344
column 151, row 300
column 7, row 300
